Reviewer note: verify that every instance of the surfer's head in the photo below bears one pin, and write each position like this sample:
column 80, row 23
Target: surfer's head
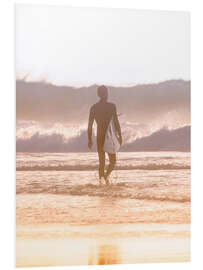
column 102, row 92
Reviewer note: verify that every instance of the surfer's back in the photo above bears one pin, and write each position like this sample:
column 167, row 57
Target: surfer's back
column 103, row 112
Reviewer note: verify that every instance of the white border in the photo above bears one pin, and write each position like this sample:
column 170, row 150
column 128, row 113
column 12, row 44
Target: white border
column 144, row 4
column 7, row 139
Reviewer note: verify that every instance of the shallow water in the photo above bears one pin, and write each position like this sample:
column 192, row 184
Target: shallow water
column 59, row 200
column 89, row 161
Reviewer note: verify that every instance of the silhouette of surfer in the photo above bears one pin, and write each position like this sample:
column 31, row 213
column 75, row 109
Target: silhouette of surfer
column 102, row 112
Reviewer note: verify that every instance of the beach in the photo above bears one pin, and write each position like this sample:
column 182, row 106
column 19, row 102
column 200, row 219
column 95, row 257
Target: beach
column 64, row 217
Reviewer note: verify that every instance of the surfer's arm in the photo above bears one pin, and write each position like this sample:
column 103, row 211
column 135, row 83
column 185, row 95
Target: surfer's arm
column 90, row 124
column 117, row 124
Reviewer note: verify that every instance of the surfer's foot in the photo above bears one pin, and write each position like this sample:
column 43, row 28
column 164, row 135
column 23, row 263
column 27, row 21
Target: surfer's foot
column 100, row 180
column 106, row 180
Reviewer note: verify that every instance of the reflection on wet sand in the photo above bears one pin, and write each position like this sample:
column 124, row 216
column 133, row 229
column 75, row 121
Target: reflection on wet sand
column 104, row 254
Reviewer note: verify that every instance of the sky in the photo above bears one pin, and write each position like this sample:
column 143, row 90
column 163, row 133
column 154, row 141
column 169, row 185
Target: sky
column 63, row 53
column 83, row 46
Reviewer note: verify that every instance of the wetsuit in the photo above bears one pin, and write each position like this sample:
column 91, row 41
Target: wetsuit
column 102, row 112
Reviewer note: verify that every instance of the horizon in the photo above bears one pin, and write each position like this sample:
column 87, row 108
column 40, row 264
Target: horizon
column 28, row 79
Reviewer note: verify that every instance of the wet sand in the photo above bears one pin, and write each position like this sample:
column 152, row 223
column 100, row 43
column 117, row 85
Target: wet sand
column 60, row 245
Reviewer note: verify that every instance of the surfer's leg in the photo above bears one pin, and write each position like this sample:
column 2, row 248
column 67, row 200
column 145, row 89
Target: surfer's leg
column 112, row 162
column 101, row 155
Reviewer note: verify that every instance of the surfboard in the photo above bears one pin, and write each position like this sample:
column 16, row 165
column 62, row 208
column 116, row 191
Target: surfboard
column 111, row 143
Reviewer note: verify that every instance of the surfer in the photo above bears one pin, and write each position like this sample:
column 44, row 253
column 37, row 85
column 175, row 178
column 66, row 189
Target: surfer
column 102, row 112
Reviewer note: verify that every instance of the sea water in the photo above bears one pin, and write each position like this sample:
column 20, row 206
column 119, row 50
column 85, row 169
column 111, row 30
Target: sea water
column 59, row 200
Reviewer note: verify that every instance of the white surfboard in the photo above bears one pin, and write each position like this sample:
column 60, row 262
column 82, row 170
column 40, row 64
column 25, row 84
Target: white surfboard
column 111, row 143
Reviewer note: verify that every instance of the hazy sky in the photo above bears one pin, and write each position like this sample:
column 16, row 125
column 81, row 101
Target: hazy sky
column 83, row 46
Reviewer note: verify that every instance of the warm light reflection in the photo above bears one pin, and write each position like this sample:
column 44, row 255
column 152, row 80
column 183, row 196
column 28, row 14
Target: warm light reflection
column 104, row 254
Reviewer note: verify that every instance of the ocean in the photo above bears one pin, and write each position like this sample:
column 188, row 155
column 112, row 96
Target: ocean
column 64, row 217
